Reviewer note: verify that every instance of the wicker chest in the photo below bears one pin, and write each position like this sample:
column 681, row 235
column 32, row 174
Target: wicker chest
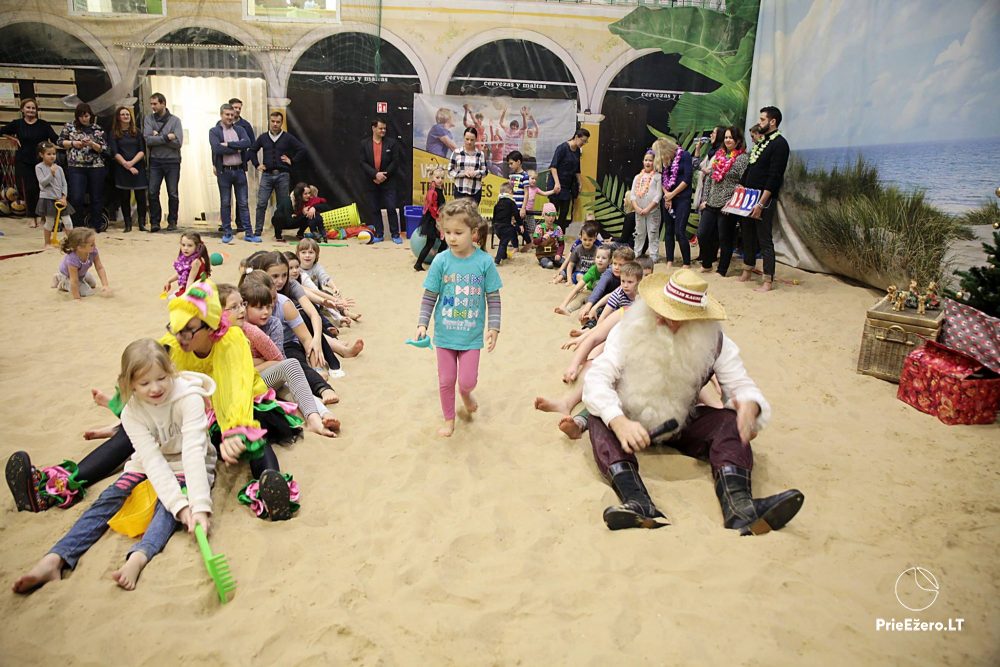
column 891, row 335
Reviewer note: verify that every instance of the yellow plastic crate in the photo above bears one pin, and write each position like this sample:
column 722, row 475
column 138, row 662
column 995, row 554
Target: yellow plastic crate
column 340, row 218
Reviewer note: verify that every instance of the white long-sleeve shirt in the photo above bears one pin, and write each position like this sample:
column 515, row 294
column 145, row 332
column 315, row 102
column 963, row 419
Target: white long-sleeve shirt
column 601, row 397
column 50, row 186
column 172, row 438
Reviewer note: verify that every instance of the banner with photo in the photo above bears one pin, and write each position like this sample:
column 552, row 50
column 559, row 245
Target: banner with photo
column 532, row 126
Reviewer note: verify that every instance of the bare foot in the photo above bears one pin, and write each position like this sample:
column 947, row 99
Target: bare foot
column 49, row 568
column 128, row 574
column 100, row 397
column 569, row 376
column 670, row 265
column 766, row 287
column 470, row 402
column 355, row 316
column 100, row 432
column 576, row 333
column 355, row 349
column 559, row 310
column 569, row 426
column 448, row 428
column 333, row 331
column 745, row 276
column 329, row 397
column 704, row 270
column 319, row 425
column 685, row 266
column 549, row 405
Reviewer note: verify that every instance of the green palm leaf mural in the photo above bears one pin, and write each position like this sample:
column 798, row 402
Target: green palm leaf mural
column 607, row 204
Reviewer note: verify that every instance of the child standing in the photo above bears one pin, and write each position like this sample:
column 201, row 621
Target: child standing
column 647, row 190
column 462, row 290
column 164, row 417
column 548, row 239
column 192, row 264
column 528, row 210
column 519, row 182
column 433, row 201
column 506, row 221
column 52, row 190
column 80, row 246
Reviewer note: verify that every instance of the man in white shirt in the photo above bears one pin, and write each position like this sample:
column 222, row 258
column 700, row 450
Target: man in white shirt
column 645, row 386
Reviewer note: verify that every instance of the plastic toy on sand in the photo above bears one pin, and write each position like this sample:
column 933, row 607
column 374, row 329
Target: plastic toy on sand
column 420, row 342
column 364, row 237
column 217, row 566
column 417, row 242
column 216, row 258
column 135, row 514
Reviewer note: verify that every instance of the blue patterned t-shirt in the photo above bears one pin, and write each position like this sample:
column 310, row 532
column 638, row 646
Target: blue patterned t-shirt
column 461, row 284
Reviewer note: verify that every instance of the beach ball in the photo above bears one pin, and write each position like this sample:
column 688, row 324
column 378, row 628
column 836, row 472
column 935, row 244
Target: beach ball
column 364, row 237
column 417, row 242
column 216, row 258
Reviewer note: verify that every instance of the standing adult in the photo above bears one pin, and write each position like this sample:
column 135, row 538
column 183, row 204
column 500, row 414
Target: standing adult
column 716, row 230
column 380, row 159
column 27, row 132
column 467, row 168
column 237, row 105
column 766, row 173
column 646, row 385
column 565, row 170
column 281, row 151
column 230, row 144
column 675, row 166
column 164, row 137
column 85, row 144
column 128, row 150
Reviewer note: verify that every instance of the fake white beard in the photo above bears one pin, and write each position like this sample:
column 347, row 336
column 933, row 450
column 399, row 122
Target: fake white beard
column 662, row 372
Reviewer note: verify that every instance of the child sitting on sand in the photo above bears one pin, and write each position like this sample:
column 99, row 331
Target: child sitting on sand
column 80, row 246
column 602, row 257
column 192, row 263
column 164, row 417
column 548, row 239
column 626, row 292
column 608, row 283
column 308, row 254
column 462, row 291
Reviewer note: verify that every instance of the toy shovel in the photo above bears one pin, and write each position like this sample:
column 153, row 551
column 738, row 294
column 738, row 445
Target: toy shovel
column 217, row 566
column 420, row 342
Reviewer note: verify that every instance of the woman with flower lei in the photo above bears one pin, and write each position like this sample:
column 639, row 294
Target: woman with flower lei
column 717, row 230
column 676, row 169
column 244, row 417
column 645, row 196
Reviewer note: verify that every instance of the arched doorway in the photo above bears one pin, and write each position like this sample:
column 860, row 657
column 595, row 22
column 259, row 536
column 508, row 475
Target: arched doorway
column 197, row 70
column 513, row 68
column 335, row 93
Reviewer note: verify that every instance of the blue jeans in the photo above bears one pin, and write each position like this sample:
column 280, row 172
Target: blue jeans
column 158, row 171
column 270, row 182
column 383, row 197
column 94, row 522
column 229, row 180
column 83, row 180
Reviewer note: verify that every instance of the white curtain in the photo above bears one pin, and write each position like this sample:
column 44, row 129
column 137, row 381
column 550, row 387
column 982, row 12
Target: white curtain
column 196, row 101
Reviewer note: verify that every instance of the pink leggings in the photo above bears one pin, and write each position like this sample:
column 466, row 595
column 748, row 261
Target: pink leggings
column 461, row 365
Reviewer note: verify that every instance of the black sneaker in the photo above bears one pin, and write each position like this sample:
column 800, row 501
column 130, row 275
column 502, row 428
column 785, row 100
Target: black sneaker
column 275, row 495
column 21, row 482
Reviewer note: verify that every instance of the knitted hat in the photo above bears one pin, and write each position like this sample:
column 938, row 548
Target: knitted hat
column 548, row 208
column 681, row 296
column 201, row 300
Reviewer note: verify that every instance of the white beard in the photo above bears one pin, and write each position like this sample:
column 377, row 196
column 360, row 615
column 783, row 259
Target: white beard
column 662, row 372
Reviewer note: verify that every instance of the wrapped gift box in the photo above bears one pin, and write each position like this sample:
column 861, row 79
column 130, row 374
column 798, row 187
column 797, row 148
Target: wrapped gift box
column 890, row 335
column 953, row 387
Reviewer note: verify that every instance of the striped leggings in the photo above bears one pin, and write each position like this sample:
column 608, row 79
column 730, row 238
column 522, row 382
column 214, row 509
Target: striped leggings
column 288, row 373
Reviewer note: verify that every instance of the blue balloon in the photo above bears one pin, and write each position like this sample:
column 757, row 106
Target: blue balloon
column 417, row 242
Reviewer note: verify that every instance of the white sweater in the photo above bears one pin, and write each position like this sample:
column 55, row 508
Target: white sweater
column 172, row 438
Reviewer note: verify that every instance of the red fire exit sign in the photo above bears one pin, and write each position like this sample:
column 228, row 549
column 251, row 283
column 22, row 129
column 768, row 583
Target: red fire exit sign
column 381, row 107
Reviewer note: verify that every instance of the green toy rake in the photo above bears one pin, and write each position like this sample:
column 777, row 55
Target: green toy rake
column 217, row 566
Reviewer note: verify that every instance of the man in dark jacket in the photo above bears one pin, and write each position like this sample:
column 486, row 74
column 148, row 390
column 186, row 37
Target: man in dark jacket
column 281, row 151
column 230, row 144
column 164, row 137
column 766, row 173
column 380, row 161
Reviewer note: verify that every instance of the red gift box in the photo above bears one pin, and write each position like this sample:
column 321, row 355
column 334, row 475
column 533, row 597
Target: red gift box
column 936, row 380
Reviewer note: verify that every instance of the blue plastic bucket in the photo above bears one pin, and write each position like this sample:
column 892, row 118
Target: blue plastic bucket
column 412, row 215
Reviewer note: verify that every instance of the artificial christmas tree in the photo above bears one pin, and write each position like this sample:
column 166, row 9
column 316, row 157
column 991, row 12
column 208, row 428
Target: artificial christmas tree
column 980, row 285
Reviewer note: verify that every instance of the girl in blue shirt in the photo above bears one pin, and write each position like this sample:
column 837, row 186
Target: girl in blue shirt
column 462, row 290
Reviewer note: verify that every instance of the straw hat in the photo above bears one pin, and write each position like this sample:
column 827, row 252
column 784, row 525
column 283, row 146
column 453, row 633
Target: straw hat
column 681, row 296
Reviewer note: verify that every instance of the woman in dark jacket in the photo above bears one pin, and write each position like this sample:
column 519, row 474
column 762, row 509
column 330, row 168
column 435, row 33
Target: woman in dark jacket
column 128, row 150
column 27, row 132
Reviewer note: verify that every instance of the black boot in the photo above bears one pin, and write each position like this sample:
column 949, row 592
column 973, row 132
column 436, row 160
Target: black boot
column 753, row 516
column 637, row 509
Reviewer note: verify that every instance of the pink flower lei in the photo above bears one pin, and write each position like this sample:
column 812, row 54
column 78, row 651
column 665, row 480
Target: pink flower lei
column 675, row 166
column 723, row 162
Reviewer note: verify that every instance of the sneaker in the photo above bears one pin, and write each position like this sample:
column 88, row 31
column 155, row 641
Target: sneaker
column 253, row 239
column 397, row 240
column 376, row 239
column 227, row 238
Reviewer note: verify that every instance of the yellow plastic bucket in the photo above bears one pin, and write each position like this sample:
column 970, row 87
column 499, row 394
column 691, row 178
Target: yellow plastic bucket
column 134, row 516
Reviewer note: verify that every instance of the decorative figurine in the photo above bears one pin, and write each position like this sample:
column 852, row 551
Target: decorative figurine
column 890, row 294
column 921, row 304
column 933, row 301
column 911, row 295
column 900, row 300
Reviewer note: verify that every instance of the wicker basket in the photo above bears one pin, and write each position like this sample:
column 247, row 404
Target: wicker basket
column 341, row 218
column 890, row 335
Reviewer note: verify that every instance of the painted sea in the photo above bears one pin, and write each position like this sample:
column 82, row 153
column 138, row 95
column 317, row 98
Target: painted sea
column 955, row 175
